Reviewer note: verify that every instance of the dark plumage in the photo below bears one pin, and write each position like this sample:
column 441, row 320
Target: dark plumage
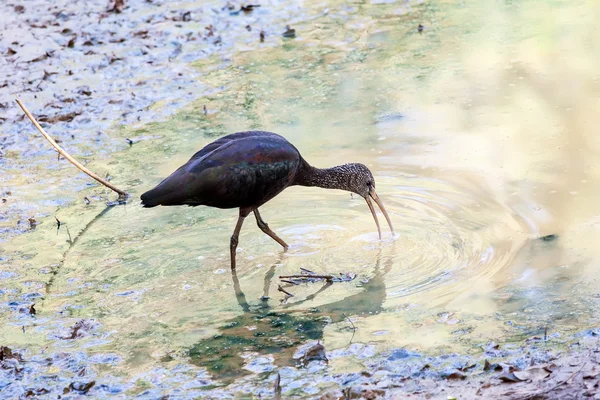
column 247, row 169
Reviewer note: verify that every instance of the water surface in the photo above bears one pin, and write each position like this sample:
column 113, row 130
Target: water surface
column 481, row 134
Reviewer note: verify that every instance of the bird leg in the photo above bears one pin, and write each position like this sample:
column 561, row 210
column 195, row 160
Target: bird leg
column 265, row 228
column 234, row 238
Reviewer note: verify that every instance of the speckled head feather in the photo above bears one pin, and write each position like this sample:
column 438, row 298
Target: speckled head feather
column 354, row 177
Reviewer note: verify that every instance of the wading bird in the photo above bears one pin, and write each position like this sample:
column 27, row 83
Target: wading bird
column 245, row 170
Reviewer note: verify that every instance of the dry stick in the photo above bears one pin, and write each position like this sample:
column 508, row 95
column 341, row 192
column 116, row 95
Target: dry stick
column 308, row 276
column 122, row 194
column 290, row 282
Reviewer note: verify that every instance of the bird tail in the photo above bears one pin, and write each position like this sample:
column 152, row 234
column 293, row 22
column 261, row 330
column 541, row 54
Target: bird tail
column 150, row 199
column 159, row 197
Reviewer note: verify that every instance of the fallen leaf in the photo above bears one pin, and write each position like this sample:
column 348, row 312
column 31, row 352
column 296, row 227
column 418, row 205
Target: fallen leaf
column 491, row 346
column 278, row 383
column 533, row 374
column 59, row 117
column 79, row 387
column 592, row 372
column 42, row 57
column 487, row 366
column 456, row 375
column 508, row 377
column 84, row 90
column 317, row 352
column 36, row 392
column 81, row 329
column 143, row 34
column 7, row 354
column 467, row 367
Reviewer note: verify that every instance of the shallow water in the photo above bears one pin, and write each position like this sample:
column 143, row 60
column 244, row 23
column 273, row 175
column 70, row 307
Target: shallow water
column 480, row 132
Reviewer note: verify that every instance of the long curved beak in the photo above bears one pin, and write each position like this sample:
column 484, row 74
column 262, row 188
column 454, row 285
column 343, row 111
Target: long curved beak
column 374, row 196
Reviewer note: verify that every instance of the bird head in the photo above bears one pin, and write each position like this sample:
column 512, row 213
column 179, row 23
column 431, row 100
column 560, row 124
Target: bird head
column 363, row 184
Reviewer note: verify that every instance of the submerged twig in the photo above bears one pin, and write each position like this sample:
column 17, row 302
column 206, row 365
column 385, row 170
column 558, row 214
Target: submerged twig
column 290, row 282
column 284, row 291
column 277, row 386
column 122, row 194
column 308, row 276
column 354, row 328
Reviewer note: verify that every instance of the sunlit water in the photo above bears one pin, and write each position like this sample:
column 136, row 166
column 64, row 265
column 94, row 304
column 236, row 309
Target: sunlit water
column 481, row 132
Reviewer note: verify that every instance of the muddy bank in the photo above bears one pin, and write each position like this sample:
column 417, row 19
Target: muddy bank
column 88, row 71
column 535, row 370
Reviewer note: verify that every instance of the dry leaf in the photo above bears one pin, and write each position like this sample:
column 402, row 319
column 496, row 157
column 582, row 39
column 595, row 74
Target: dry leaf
column 508, row 377
column 456, row 375
column 533, row 374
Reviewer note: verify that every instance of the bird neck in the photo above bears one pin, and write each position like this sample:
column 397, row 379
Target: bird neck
column 339, row 177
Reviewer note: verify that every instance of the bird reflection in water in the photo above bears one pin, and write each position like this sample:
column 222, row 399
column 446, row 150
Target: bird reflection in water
column 278, row 330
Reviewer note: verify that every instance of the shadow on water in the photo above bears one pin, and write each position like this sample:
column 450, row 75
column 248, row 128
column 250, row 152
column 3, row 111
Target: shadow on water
column 277, row 331
column 72, row 242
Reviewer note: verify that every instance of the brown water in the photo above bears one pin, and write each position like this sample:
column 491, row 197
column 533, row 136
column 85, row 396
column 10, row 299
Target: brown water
column 481, row 133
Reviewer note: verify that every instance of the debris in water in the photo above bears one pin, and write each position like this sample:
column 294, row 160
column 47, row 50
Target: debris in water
column 289, row 32
column 549, row 238
column 456, row 375
column 210, row 30
column 310, row 276
column 315, row 353
column 81, row 329
column 59, row 117
column 7, row 354
column 247, row 9
column 117, row 6
column 278, row 384
column 79, row 387
column 279, row 288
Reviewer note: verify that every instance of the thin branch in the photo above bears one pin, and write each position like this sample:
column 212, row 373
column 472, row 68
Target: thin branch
column 284, row 291
column 307, row 276
column 122, row 194
column 354, row 328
